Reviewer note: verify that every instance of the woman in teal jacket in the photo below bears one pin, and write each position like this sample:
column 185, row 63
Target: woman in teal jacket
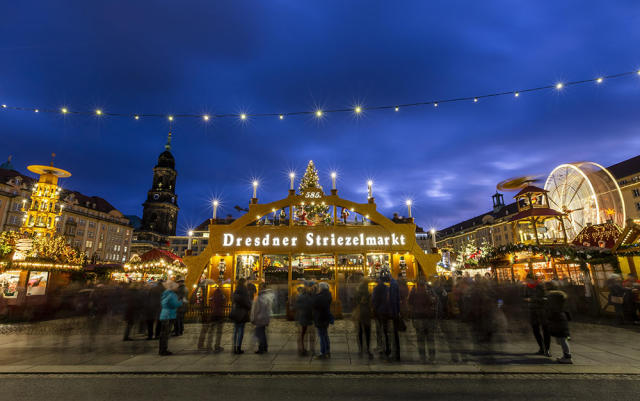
column 170, row 304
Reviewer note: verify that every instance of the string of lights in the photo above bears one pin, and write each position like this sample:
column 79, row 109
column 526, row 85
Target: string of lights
column 319, row 113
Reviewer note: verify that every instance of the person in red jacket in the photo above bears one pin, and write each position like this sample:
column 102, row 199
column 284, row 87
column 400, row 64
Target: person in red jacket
column 213, row 327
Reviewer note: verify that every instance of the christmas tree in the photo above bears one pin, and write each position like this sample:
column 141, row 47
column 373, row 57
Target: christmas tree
column 310, row 178
column 314, row 213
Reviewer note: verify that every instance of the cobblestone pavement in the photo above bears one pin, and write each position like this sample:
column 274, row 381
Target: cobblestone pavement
column 64, row 346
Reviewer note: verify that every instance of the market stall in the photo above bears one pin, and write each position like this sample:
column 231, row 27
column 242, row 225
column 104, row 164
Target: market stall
column 325, row 238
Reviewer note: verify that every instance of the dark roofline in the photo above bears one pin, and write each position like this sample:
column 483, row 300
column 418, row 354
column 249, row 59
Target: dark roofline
column 625, row 168
column 510, row 209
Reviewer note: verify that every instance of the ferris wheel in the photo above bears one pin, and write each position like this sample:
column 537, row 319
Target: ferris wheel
column 587, row 194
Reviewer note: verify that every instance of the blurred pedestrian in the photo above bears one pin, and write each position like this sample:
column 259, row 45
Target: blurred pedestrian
column 558, row 319
column 152, row 309
column 362, row 316
column 534, row 296
column 181, row 292
column 261, row 316
column 618, row 295
column 239, row 314
column 423, row 303
column 322, row 318
column 214, row 325
column 170, row 304
column 304, row 318
column 445, row 318
column 132, row 310
column 385, row 301
column 632, row 291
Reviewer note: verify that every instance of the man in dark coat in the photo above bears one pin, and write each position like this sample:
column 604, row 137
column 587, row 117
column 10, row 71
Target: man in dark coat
column 535, row 299
column 322, row 318
column 362, row 317
column 152, row 309
column 181, row 292
column 386, row 308
column 304, row 318
column 558, row 319
column 240, row 314
column 132, row 306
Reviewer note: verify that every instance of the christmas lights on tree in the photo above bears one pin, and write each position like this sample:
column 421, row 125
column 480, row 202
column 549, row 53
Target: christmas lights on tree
column 312, row 213
column 310, row 178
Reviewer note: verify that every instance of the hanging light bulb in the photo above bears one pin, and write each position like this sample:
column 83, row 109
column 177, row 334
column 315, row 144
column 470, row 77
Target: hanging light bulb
column 205, row 117
column 318, row 113
column 559, row 85
column 98, row 112
column 64, row 110
column 599, row 80
column 170, row 118
column 243, row 116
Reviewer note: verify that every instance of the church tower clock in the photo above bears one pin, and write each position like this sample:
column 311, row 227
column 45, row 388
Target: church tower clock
column 160, row 210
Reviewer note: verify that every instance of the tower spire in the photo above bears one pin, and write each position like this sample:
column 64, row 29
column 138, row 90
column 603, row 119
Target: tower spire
column 168, row 145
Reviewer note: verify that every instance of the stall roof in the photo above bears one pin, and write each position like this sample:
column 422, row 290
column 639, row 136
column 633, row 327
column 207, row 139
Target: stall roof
column 536, row 212
column 156, row 254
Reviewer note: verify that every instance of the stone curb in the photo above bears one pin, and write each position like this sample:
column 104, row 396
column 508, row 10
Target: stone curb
column 479, row 371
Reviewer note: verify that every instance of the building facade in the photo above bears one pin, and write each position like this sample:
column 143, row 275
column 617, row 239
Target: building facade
column 179, row 244
column 90, row 223
column 627, row 173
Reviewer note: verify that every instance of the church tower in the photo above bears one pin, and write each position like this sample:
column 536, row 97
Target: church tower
column 160, row 210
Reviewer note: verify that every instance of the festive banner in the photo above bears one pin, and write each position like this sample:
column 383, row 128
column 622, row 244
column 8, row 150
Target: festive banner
column 37, row 284
column 9, row 283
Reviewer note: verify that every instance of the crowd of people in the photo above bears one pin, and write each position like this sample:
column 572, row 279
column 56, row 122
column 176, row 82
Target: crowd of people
column 469, row 316
column 471, row 313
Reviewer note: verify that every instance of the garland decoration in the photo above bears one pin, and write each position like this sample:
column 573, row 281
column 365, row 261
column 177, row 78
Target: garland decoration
column 572, row 253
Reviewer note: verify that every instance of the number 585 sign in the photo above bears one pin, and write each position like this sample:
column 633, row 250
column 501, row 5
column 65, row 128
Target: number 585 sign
column 313, row 195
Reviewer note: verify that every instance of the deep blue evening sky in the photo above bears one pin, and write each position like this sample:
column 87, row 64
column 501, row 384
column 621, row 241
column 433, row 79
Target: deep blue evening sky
column 273, row 56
